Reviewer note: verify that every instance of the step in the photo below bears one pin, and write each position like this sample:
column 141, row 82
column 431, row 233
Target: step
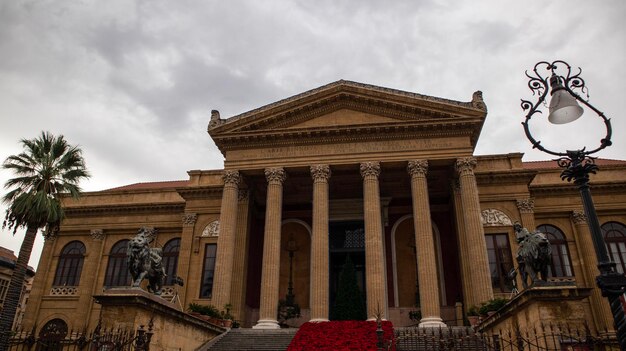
column 243, row 339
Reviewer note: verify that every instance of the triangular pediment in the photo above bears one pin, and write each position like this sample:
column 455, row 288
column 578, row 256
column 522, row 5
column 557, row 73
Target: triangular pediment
column 343, row 107
column 343, row 117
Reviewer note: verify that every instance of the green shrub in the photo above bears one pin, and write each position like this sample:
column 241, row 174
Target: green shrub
column 207, row 310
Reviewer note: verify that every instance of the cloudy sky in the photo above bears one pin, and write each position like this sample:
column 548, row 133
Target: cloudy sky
column 133, row 82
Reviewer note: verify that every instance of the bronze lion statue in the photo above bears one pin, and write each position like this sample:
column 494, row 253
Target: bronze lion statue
column 145, row 262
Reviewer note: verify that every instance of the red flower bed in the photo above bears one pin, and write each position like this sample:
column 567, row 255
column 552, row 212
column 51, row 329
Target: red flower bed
column 339, row 336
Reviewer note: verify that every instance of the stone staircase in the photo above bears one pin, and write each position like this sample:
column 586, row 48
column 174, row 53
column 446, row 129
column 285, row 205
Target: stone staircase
column 439, row 339
column 244, row 339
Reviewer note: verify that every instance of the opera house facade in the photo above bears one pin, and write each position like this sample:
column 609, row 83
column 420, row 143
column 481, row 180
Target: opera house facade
column 385, row 177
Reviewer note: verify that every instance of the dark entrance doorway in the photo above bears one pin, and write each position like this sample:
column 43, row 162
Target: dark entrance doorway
column 346, row 238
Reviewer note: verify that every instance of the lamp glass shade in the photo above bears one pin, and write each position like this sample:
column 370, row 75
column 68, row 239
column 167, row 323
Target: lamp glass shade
column 563, row 108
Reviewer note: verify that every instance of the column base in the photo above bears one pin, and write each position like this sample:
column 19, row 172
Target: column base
column 266, row 324
column 432, row 322
column 318, row 320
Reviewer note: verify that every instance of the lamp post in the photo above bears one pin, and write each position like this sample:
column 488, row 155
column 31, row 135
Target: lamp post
column 577, row 165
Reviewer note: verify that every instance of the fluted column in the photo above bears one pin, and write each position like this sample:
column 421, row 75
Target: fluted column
column 599, row 305
column 466, row 278
column 476, row 246
column 319, row 244
column 88, row 276
column 374, row 257
column 425, row 246
column 270, row 274
column 226, row 240
column 241, row 259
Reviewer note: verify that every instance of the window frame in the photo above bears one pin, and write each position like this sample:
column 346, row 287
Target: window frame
column 117, row 262
column 208, row 270
column 70, row 264
column 619, row 228
column 171, row 252
column 504, row 285
column 558, row 242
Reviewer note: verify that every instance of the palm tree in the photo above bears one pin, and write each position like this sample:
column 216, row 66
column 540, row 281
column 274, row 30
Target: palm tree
column 47, row 169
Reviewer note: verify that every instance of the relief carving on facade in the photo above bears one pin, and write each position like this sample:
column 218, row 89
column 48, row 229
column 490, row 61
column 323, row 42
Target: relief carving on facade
column 579, row 217
column 212, row 229
column 493, row 217
column 418, row 168
column 320, row 173
column 465, row 165
column 526, row 205
column 275, row 175
column 97, row 234
column 231, row 178
column 370, row 169
column 189, row 219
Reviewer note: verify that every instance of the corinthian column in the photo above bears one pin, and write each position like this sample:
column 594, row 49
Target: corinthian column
column 319, row 244
column 88, row 277
column 374, row 258
column 226, row 240
column 271, row 250
column 599, row 306
column 425, row 246
column 480, row 282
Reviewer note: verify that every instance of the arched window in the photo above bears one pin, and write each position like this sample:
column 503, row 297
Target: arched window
column 615, row 238
column 170, row 260
column 561, row 265
column 70, row 264
column 117, row 270
column 52, row 334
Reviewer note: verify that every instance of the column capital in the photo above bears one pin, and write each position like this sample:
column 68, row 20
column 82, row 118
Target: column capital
column 418, row 168
column 320, row 173
column 231, row 177
column 579, row 217
column 370, row 169
column 97, row 234
column 275, row 175
column 243, row 194
column 189, row 219
column 526, row 205
column 465, row 165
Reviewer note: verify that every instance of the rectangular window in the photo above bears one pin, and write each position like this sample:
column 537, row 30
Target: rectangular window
column 4, row 287
column 206, row 289
column 500, row 261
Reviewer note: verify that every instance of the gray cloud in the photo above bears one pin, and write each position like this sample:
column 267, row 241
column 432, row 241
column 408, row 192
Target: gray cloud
column 133, row 82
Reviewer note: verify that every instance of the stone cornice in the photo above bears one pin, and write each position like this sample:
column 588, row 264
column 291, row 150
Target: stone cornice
column 201, row 192
column 342, row 134
column 411, row 115
column 569, row 188
column 506, row 176
column 345, row 88
column 117, row 209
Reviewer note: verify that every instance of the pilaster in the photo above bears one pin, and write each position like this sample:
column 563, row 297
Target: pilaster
column 374, row 256
column 91, row 265
column 599, row 305
column 184, row 254
column 39, row 284
column 319, row 244
column 270, row 274
column 475, row 236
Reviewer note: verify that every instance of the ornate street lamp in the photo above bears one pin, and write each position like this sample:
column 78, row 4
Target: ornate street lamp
column 577, row 165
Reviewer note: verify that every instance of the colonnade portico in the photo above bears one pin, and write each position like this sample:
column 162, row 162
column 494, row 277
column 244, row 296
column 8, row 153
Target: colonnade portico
column 375, row 267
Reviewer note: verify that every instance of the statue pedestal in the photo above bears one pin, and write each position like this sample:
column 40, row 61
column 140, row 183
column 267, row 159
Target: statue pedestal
column 128, row 308
column 549, row 304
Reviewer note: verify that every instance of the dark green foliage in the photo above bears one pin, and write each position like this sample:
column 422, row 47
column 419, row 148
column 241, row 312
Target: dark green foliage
column 287, row 312
column 47, row 170
column 207, row 310
column 349, row 304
